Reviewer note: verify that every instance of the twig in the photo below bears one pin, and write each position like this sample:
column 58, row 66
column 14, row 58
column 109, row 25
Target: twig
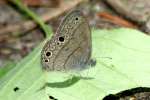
column 116, row 20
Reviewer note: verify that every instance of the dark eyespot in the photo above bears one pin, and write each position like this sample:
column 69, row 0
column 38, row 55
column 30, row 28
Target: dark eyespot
column 76, row 18
column 46, row 60
column 48, row 53
column 61, row 39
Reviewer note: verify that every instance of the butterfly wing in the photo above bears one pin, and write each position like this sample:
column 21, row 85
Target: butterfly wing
column 70, row 47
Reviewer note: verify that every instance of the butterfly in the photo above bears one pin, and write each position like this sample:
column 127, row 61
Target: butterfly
column 70, row 47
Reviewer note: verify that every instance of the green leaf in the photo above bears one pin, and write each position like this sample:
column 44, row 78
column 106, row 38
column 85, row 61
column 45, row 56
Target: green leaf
column 25, row 76
column 3, row 70
column 122, row 57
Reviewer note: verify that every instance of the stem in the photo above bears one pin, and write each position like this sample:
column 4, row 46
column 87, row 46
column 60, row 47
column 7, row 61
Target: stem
column 35, row 17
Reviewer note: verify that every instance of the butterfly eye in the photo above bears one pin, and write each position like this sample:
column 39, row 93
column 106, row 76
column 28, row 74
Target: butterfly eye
column 48, row 53
column 61, row 39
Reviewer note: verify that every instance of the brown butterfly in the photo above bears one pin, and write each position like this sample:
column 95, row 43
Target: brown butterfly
column 70, row 48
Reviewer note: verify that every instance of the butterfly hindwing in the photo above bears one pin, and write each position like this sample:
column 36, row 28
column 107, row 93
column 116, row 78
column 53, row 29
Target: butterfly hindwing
column 70, row 47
